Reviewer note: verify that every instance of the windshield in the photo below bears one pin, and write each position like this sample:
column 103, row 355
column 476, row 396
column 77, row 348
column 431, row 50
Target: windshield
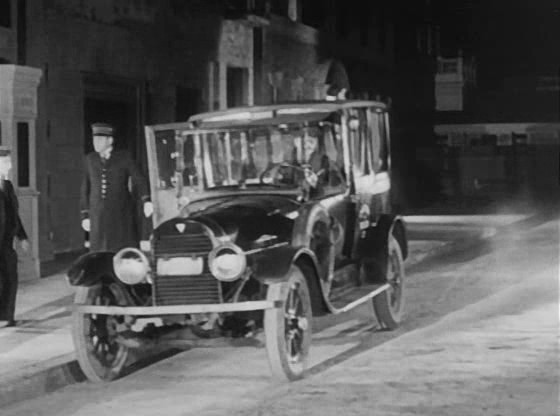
column 193, row 164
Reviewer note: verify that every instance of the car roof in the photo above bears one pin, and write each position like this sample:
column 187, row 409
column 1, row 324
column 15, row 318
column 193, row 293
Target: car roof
column 305, row 111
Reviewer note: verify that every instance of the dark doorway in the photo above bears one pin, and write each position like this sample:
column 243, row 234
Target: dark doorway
column 6, row 13
column 188, row 102
column 237, row 86
column 120, row 102
column 120, row 114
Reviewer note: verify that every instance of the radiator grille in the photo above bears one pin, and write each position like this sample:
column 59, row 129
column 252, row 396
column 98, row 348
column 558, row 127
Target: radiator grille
column 181, row 244
column 184, row 290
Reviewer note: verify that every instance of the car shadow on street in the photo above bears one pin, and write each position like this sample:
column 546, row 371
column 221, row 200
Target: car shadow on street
column 149, row 358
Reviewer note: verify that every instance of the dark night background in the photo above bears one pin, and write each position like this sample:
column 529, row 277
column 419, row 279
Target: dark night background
column 510, row 39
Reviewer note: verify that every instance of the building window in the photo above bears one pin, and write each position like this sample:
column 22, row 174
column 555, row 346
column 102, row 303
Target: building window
column 237, row 86
column 5, row 13
column 23, row 154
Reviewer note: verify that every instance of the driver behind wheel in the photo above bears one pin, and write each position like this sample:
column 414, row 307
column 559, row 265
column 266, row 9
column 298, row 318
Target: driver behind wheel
column 316, row 160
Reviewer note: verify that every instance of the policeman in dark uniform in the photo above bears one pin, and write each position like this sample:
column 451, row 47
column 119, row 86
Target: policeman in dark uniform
column 10, row 228
column 107, row 206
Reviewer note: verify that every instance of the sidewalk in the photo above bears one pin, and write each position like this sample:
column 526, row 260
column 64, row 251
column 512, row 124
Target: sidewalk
column 37, row 356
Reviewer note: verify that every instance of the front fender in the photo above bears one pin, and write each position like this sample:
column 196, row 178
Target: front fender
column 272, row 265
column 91, row 269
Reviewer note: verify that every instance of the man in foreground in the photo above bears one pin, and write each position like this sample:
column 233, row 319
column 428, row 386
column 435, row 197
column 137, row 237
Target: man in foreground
column 10, row 229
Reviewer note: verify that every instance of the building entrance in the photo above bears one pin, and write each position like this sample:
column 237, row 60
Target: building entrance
column 120, row 115
column 118, row 103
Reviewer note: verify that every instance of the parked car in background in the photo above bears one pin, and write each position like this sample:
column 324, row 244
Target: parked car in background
column 264, row 218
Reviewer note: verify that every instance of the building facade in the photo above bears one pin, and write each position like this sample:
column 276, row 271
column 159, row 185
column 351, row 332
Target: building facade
column 137, row 62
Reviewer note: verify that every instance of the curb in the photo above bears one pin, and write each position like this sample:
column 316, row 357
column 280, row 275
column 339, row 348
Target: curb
column 40, row 379
column 467, row 220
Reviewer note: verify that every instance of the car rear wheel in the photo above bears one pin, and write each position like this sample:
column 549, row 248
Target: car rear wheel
column 100, row 356
column 389, row 305
column 288, row 328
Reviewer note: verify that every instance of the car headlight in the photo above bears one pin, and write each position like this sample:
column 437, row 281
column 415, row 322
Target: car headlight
column 131, row 266
column 227, row 262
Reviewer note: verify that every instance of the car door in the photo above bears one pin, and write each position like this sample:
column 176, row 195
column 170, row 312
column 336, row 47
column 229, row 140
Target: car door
column 362, row 172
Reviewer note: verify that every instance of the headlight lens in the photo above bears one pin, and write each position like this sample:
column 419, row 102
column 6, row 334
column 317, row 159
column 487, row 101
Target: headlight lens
column 131, row 266
column 227, row 262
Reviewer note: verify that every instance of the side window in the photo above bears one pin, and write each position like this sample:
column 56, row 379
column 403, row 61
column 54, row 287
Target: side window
column 237, row 154
column 384, row 143
column 361, row 149
column 378, row 135
column 261, row 150
column 190, row 175
column 330, row 145
column 216, row 151
column 333, row 150
column 166, row 154
column 335, row 132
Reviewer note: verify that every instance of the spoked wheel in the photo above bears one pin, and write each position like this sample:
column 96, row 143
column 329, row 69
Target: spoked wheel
column 288, row 328
column 389, row 305
column 100, row 356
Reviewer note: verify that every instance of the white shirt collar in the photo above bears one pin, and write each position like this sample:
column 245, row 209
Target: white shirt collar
column 106, row 154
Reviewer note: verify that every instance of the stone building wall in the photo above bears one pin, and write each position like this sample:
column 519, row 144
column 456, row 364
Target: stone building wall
column 291, row 55
column 73, row 41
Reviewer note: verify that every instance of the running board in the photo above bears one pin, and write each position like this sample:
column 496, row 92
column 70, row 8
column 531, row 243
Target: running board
column 361, row 294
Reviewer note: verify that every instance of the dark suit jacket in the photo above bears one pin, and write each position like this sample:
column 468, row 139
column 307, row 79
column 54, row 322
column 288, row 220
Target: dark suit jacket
column 107, row 201
column 10, row 222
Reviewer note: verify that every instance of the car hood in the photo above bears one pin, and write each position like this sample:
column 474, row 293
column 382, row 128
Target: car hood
column 250, row 221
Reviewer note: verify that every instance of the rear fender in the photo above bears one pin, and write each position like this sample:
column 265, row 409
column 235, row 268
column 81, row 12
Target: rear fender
column 373, row 247
column 91, row 269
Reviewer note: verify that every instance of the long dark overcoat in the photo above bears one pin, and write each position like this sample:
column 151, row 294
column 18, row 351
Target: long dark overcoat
column 107, row 201
column 10, row 228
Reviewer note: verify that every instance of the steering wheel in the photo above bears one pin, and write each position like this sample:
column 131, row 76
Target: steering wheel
column 278, row 172
column 304, row 172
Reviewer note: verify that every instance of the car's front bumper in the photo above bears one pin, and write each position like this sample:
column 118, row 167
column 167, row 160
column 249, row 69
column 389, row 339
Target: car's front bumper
column 176, row 309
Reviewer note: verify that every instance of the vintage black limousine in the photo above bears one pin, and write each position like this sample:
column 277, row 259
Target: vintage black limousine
column 264, row 217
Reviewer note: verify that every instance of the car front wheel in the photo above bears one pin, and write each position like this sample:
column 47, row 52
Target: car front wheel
column 288, row 328
column 100, row 356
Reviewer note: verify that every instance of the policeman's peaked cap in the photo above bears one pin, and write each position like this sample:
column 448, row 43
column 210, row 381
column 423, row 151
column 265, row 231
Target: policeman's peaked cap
column 102, row 129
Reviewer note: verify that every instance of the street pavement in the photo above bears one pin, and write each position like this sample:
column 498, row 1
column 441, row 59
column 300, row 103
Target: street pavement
column 37, row 356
